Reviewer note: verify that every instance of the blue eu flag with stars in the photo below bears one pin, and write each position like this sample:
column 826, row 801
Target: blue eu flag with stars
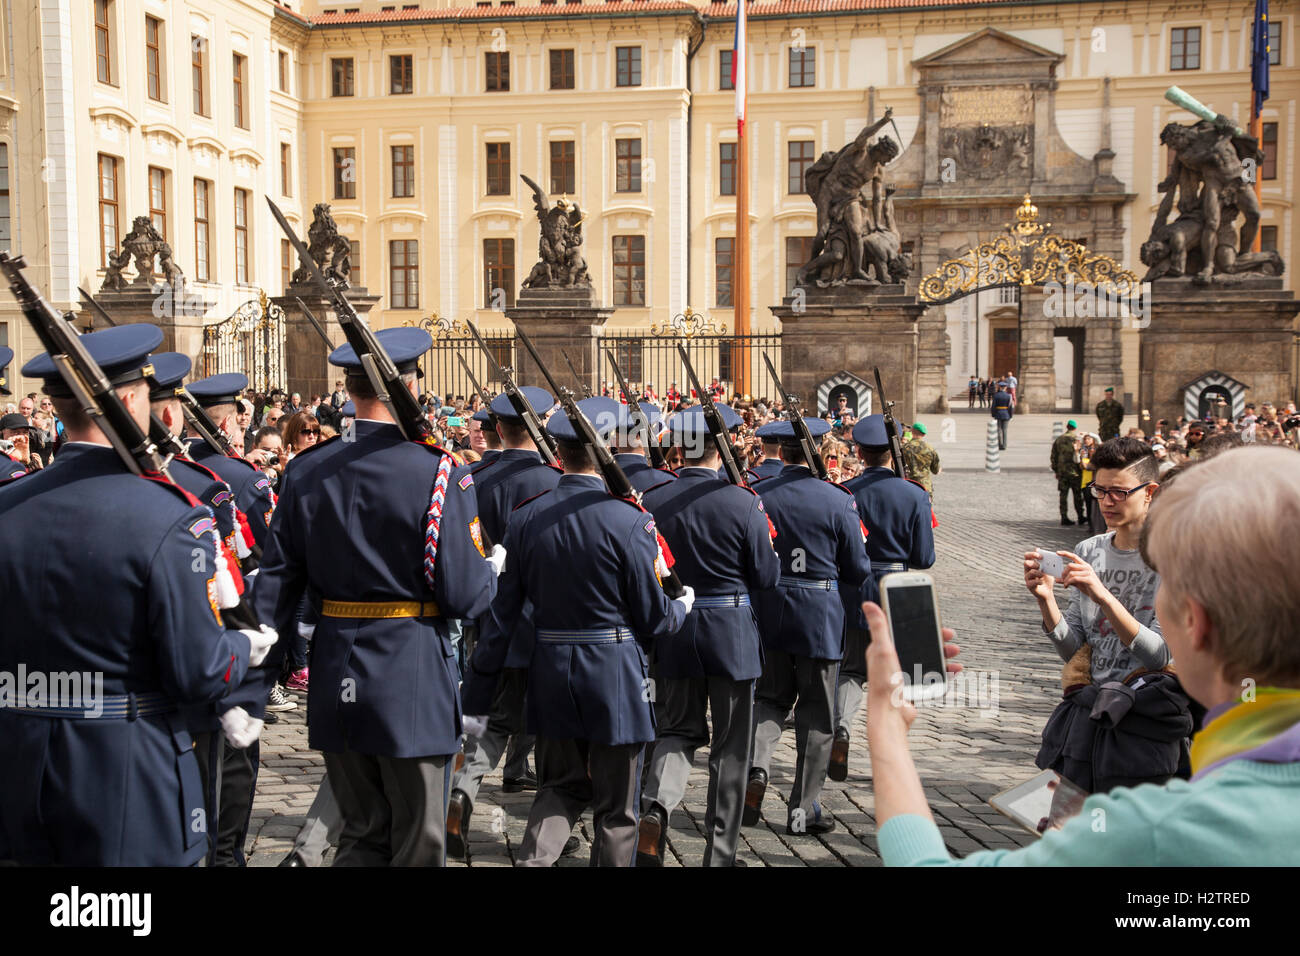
column 1259, row 56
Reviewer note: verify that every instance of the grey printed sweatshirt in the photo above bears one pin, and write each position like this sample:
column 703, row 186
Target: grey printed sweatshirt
column 1126, row 576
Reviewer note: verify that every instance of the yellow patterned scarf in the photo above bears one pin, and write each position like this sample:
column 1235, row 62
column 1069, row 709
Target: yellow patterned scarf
column 1264, row 725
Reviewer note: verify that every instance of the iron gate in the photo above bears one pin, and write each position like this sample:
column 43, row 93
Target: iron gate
column 444, row 375
column 251, row 341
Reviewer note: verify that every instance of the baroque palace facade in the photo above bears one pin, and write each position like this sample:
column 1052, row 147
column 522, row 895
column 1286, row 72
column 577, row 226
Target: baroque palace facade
column 414, row 122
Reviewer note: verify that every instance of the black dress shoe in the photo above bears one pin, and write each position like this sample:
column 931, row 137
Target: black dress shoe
column 652, row 836
column 293, row 859
column 839, row 766
column 459, row 809
column 814, row 827
column 571, row 846
column 1067, row 523
column 271, row 717
column 519, row 784
column 754, row 796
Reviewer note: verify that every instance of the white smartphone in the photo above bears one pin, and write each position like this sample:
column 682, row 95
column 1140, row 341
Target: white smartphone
column 912, row 608
column 1051, row 563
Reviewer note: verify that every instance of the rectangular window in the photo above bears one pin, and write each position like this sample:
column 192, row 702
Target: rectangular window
column 403, row 172
column 153, row 57
column 727, row 169
column 803, row 66
column 628, row 355
column 104, row 40
column 354, row 256
column 498, row 72
column 800, row 153
column 563, row 167
column 345, row 172
column 1274, row 42
column 286, row 264
column 108, row 211
column 724, row 251
column 1268, row 142
column 561, row 69
column 341, row 76
column 401, row 71
column 628, row 65
column 241, row 236
column 498, row 273
column 283, row 63
column 6, row 224
column 1268, row 239
column 286, row 170
column 1185, row 48
column 403, row 274
column 158, row 199
column 202, row 231
column 498, row 169
column 240, row 90
column 627, row 165
column 725, row 59
column 199, row 74
column 798, row 252
column 629, row 270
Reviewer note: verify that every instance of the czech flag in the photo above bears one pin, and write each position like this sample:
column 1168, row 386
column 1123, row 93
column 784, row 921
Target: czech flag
column 1259, row 56
column 738, row 67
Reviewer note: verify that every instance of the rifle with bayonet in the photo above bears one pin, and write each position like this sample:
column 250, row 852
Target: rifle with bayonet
column 526, row 413
column 811, row 453
column 713, row 420
column 482, row 392
column 891, row 429
column 586, row 391
column 637, row 418
column 97, row 397
column 375, row 360
column 315, row 323
column 600, row 455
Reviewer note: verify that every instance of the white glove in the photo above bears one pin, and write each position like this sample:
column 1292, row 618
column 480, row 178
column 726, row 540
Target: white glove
column 661, row 565
column 497, row 558
column 687, row 600
column 475, row 726
column 240, row 729
column 259, row 643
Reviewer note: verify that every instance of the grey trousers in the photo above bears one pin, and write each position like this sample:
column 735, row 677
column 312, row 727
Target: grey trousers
column 505, row 734
column 323, row 827
column 851, row 683
column 572, row 775
column 228, row 774
column 682, row 708
column 809, row 685
column 394, row 808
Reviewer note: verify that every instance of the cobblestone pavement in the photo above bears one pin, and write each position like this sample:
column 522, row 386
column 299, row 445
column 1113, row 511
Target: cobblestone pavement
column 964, row 753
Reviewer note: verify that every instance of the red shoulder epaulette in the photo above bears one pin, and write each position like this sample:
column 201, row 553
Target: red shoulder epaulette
column 840, row 487
column 532, row 498
column 158, row 479
column 653, row 487
column 556, row 467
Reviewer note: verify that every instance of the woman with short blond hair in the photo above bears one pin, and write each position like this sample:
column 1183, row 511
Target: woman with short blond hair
column 1237, row 655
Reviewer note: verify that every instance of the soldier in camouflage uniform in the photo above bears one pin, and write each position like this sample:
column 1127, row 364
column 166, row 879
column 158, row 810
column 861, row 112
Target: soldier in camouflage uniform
column 920, row 460
column 1109, row 415
column 1069, row 477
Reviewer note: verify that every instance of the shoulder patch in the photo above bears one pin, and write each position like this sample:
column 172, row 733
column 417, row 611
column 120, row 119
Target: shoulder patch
column 6, row 479
column 263, row 482
column 222, row 496
column 202, row 526
column 649, row 526
column 467, row 482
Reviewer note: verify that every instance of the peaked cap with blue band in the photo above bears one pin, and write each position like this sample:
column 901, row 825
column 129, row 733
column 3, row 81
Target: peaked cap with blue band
column 404, row 346
column 122, row 352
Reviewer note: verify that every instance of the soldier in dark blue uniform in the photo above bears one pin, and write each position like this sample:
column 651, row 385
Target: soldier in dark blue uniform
column 225, row 734
column 487, row 422
column 588, row 564
column 722, row 542
column 771, row 464
column 897, row 516
column 819, row 538
column 217, row 394
column 8, row 467
column 104, row 774
column 630, row 452
column 386, row 533
column 519, row 473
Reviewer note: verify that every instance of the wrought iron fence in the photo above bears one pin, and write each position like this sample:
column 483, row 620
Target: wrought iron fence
column 652, row 360
column 444, row 375
column 251, row 341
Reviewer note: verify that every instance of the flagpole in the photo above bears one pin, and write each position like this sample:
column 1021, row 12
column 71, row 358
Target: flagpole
column 1256, row 104
column 740, row 277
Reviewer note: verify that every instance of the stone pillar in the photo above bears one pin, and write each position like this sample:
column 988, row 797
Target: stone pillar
column 933, row 354
column 559, row 322
column 1037, row 373
column 179, row 312
column 306, row 367
column 1246, row 331
column 852, row 328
